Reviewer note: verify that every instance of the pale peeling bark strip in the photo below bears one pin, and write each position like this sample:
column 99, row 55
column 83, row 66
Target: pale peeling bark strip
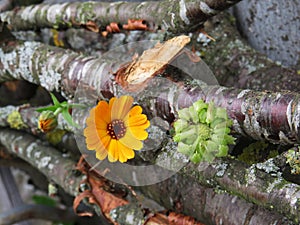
column 47, row 159
column 172, row 15
column 262, row 115
column 151, row 62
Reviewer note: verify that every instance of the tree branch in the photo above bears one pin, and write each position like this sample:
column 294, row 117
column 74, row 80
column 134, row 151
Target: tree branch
column 261, row 115
column 27, row 118
column 47, row 159
column 25, row 212
column 236, row 64
column 212, row 207
column 174, row 16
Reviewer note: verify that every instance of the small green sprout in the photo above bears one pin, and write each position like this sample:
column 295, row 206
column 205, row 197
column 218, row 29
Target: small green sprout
column 202, row 131
column 48, row 117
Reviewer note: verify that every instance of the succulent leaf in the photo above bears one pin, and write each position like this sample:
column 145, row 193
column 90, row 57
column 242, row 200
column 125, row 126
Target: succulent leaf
column 203, row 131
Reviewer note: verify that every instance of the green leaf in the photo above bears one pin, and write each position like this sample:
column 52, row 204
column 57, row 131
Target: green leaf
column 211, row 111
column 180, row 125
column 44, row 200
column 64, row 104
column 79, row 106
column 184, row 114
column 223, row 151
column 199, row 105
column 196, row 158
column 185, row 149
column 221, row 113
column 47, row 108
column 65, row 113
column 54, row 99
column 193, row 114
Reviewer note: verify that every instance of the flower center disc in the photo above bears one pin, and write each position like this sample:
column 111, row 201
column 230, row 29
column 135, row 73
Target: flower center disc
column 116, row 129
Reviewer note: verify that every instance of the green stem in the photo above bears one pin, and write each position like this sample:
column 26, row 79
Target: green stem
column 57, row 111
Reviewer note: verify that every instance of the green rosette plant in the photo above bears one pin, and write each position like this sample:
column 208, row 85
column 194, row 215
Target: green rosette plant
column 203, row 131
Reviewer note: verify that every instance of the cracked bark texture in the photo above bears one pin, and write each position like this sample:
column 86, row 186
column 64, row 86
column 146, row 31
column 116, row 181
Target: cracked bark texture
column 258, row 106
column 287, row 207
column 260, row 183
column 174, row 16
column 213, row 206
column 261, row 115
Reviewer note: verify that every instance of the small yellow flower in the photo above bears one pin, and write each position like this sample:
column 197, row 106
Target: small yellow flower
column 115, row 129
column 47, row 121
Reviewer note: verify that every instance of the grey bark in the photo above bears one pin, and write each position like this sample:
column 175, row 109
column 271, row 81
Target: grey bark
column 213, row 206
column 62, row 70
column 25, row 212
column 174, row 16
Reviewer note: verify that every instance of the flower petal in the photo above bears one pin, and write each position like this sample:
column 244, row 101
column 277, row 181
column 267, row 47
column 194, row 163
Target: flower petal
column 113, row 154
column 93, row 135
column 122, row 157
column 139, row 133
column 92, row 138
column 130, row 141
column 140, row 121
column 111, row 103
column 135, row 110
column 126, row 152
column 121, row 107
column 101, row 152
column 102, row 112
column 95, row 119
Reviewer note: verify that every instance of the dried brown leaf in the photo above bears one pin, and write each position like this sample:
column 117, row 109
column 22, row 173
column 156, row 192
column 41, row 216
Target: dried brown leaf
column 97, row 194
column 134, row 24
column 171, row 219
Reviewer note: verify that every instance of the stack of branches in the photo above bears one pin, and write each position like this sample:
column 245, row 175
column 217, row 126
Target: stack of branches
column 261, row 191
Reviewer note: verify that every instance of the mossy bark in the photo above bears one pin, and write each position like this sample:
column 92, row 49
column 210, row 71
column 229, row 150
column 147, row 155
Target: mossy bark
column 174, row 16
column 261, row 115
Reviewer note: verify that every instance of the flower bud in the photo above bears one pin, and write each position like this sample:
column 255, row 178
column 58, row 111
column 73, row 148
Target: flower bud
column 47, row 121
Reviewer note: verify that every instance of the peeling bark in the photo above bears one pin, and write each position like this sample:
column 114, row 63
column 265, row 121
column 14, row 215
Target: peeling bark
column 262, row 115
column 174, row 16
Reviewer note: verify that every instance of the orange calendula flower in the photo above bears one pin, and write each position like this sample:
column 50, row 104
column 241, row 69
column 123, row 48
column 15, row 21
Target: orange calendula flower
column 47, row 121
column 115, row 129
